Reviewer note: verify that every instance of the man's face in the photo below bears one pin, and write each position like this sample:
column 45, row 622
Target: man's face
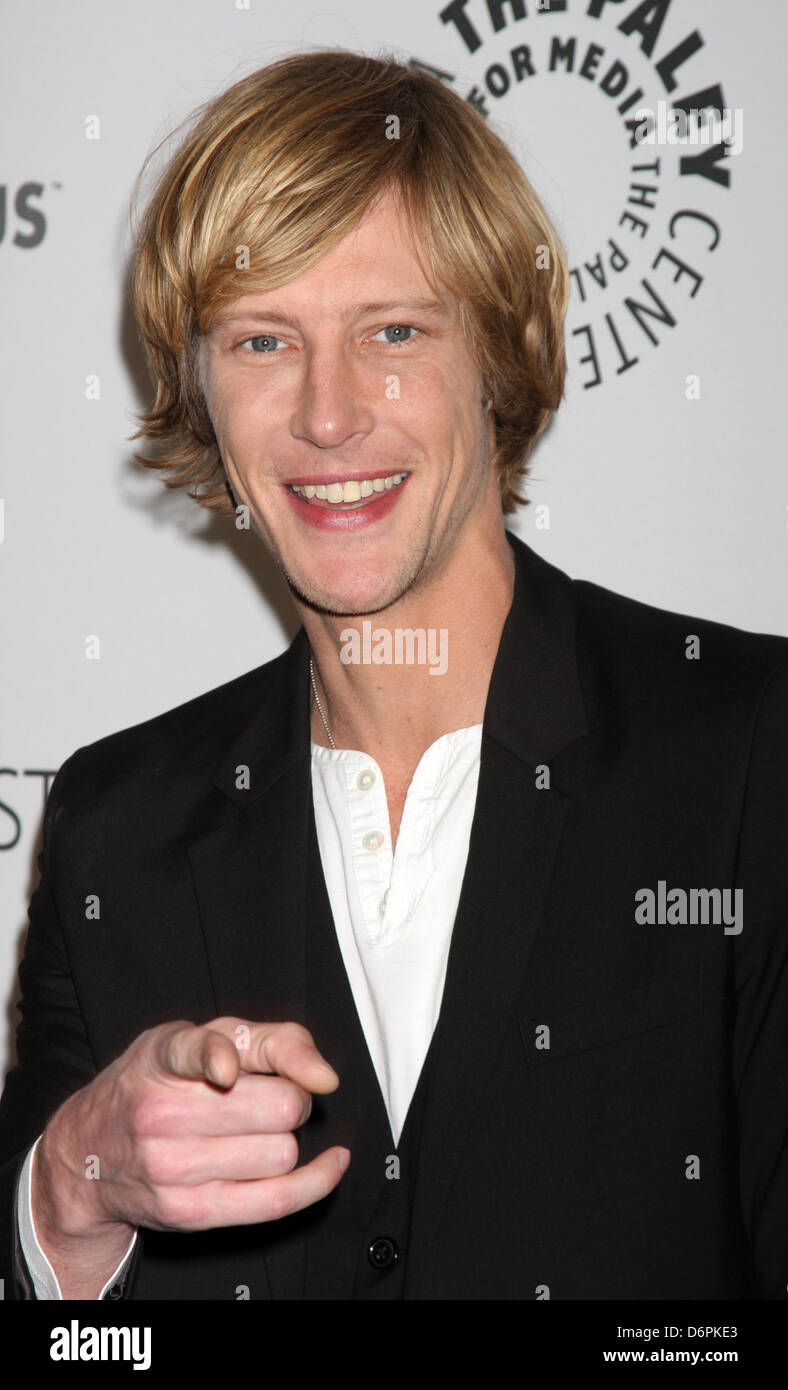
column 353, row 374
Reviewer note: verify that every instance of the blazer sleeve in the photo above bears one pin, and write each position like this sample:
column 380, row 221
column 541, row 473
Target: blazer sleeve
column 54, row 1057
column 760, row 1041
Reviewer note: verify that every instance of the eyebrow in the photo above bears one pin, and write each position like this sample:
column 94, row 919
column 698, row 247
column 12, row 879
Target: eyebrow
column 420, row 305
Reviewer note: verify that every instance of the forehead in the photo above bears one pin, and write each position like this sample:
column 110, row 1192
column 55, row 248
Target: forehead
column 382, row 240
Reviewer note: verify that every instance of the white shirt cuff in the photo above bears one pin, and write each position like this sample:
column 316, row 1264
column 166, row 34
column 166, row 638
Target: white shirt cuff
column 41, row 1272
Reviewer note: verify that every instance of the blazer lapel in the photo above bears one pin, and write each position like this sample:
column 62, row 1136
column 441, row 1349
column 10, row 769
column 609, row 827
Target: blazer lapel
column 535, row 712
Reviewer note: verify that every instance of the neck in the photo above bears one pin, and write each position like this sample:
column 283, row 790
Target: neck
column 395, row 708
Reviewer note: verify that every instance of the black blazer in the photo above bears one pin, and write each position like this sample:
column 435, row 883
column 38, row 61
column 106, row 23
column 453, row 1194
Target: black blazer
column 644, row 1152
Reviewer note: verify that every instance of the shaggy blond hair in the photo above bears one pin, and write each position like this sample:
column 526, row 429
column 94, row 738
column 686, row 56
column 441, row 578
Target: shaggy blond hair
column 285, row 162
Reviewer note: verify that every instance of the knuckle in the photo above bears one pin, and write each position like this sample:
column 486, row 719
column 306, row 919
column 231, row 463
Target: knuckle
column 147, row 1117
column 200, row 1216
column 224, row 1024
column 184, row 1208
column 173, row 1026
column 165, row 1034
column 158, row 1164
column 294, row 1033
column 171, row 1208
column 288, row 1153
column 291, row 1108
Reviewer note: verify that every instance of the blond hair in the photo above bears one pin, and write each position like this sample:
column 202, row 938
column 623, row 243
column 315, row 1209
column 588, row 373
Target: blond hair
column 285, row 163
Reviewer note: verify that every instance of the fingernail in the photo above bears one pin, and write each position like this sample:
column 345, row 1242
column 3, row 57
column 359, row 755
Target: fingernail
column 344, row 1159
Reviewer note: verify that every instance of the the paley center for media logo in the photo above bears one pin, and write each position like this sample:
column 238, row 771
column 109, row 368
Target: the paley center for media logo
column 622, row 122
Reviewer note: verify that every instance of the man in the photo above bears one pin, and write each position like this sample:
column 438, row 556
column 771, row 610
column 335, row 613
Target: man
column 372, row 978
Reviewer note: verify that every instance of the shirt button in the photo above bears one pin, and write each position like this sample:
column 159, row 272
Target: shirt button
column 365, row 779
column 372, row 840
column 383, row 1252
column 115, row 1292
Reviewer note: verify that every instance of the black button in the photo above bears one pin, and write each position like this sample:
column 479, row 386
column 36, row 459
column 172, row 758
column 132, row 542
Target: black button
column 383, row 1252
column 115, row 1292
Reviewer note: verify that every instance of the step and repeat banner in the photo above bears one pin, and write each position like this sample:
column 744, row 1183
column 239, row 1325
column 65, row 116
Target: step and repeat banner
column 655, row 135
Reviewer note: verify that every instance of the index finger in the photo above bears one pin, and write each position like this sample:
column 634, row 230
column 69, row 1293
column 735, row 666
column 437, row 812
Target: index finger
column 283, row 1049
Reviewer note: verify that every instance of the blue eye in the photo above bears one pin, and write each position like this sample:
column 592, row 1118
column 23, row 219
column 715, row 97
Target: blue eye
column 262, row 338
column 398, row 328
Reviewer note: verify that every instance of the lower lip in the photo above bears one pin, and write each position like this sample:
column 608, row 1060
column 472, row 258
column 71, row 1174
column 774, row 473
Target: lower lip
column 338, row 518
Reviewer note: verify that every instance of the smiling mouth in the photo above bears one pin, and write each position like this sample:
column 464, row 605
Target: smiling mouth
column 348, row 495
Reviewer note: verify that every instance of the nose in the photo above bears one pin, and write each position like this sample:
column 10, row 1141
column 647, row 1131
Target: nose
column 332, row 405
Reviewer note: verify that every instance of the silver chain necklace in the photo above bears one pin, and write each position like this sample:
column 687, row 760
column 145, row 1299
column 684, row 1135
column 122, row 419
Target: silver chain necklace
column 317, row 702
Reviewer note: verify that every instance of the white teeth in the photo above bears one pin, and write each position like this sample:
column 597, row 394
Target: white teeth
column 350, row 491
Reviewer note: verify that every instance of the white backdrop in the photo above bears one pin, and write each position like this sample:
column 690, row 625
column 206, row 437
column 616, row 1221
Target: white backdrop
column 664, row 479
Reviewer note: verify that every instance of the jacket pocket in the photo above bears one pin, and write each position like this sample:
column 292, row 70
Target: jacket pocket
column 619, row 1016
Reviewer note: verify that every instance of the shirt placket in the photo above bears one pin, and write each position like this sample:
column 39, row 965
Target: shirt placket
column 370, row 832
